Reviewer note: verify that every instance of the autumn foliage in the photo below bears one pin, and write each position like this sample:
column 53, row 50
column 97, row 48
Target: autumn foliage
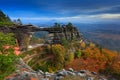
column 92, row 58
column 97, row 59
column 59, row 54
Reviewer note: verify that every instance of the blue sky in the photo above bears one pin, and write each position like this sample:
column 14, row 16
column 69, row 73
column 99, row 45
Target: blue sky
column 77, row 11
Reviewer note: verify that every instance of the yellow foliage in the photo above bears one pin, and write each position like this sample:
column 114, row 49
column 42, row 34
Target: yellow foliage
column 92, row 45
column 70, row 56
column 83, row 45
column 51, row 69
column 48, row 47
column 116, row 64
column 59, row 53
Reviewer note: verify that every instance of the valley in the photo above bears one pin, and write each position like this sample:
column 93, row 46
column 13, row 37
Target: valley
column 107, row 35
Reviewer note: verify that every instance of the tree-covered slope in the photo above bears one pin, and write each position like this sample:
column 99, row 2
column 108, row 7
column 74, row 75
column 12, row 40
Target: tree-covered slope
column 4, row 19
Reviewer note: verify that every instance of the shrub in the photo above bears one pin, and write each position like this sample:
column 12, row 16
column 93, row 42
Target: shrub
column 70, row 56
column 6, row 23
column 64, row 42
column 7, row 64
column 7, row 56
column 114, row 67
column 77, row 54
column 6, row 40
column 59, row 54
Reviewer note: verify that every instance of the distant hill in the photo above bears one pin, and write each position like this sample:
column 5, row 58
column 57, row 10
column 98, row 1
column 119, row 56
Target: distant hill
column 106, row 35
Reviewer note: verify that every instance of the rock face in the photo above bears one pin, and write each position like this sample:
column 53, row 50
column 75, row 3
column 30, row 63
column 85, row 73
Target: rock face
column 67, row 33
column 24, row 72
column 23, row 33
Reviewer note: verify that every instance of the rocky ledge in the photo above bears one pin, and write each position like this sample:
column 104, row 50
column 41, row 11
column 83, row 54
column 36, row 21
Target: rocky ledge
column 24, row 72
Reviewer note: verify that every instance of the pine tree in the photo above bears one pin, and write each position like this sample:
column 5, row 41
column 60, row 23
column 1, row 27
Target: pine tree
column 8, row 18
column 69, row 26
column 4, row 19
column 2, row 16
column 19, row 22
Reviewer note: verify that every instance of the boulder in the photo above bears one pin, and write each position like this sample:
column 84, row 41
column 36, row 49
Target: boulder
column 70, row 69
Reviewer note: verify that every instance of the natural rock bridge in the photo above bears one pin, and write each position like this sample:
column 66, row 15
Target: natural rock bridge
column 23, row 33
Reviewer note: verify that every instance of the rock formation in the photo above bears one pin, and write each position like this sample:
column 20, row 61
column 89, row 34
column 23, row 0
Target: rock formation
column 23, row 33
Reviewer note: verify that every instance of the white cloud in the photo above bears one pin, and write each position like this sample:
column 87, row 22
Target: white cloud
column 102, row 9
column 100, row 16
column 79, row 18
column 110, row 16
